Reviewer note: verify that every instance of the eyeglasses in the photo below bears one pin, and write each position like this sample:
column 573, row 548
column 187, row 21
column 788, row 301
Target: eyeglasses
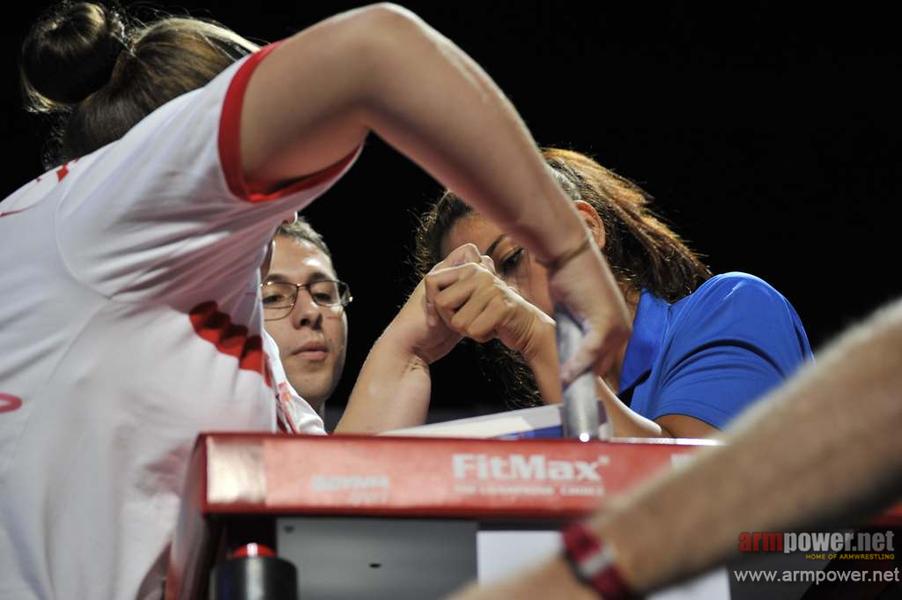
column 279, row 296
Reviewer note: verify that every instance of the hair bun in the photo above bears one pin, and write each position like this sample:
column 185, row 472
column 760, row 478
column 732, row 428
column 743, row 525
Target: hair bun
column 70, row 53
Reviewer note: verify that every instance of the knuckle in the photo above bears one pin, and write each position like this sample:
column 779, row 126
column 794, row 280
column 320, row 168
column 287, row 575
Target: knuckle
column 442, row 303
column 471, row 249
column 480, row 334
column 458, row 323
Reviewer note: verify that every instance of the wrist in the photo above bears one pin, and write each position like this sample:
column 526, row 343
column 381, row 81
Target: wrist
column 540, row 346
column 410, row 343
column 557, row 262
column 399, row 337
column 592, row 562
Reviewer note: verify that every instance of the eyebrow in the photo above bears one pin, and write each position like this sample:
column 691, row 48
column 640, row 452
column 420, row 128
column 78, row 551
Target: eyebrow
column 493, row 245
column 315, row 276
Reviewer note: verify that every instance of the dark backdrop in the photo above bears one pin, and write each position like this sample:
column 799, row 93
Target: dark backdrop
column 770, row 137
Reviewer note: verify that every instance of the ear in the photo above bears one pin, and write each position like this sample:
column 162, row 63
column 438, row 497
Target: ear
column 592, row 220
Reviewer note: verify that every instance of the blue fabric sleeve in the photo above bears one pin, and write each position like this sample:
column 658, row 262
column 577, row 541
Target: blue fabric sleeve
column 735, row 339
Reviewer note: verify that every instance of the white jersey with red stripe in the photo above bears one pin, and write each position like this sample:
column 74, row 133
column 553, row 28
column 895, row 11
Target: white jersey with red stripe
column 294, row 414
column 129, row 322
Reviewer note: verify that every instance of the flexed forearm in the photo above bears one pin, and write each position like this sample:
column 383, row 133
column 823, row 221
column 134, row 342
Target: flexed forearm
column 392, row 391
column 382, row 69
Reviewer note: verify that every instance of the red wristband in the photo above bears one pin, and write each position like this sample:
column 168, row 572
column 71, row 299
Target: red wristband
column 593, row 564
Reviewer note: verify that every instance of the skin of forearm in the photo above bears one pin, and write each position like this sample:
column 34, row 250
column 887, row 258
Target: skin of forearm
column 540, row 354
column 392, row 391
column 382, row 69
column 825, row 445
column 488, row 156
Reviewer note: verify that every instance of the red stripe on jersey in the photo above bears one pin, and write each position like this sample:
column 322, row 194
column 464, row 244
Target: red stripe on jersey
column 9, row 403
column 230, row 143
column 252, row 357
column 283, row 399
column 61, row 173
column 231, row 339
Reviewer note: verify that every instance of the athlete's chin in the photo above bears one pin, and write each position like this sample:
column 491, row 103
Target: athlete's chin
column 313, row 392
column 310, row 362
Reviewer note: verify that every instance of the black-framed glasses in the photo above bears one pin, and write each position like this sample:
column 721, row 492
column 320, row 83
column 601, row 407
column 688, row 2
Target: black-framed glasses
column 279, row 296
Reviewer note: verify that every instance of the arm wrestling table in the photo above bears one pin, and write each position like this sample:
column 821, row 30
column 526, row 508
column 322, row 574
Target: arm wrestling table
column 399, row 517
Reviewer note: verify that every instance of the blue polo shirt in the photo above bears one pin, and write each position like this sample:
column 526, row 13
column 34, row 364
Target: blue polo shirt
column 711, row 354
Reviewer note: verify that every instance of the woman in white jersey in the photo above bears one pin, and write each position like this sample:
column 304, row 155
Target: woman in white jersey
column 130, row 319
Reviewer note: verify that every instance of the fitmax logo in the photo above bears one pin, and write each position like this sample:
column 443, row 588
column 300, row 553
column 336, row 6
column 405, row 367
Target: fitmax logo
column 528, row 467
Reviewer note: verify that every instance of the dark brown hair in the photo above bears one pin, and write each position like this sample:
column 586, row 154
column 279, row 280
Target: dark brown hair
column 302, row 231
column 101, row 72
column 643, row 252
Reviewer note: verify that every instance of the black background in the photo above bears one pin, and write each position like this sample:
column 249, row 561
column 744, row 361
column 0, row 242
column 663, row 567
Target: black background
column 770, row 137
